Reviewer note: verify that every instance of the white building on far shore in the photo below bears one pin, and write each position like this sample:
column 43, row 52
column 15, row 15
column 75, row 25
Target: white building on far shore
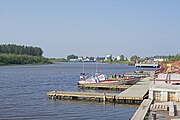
column 159, row 59
column 118, row 58
column 74, row 60
column 108, row 57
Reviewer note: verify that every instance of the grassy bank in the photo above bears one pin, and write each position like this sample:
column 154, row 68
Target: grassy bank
column 116, row 62
column 12, row 59
column 53, row 60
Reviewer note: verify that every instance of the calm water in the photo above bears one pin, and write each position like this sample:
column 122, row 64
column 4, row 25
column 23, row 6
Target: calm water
column 23, row 93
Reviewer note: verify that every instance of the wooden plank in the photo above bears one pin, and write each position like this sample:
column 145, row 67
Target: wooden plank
column 137, row 91
column 80, row 94
column 142, row 110
column 171, row 109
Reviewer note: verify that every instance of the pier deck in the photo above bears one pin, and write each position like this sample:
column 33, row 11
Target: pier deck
column 141, row 112
column 135, row 92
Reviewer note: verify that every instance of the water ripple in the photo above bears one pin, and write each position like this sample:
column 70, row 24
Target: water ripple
column 23, row 93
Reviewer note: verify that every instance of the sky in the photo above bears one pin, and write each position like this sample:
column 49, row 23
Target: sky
column 93, row 27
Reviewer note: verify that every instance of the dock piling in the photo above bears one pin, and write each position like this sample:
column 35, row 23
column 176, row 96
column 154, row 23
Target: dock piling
column 104, row 98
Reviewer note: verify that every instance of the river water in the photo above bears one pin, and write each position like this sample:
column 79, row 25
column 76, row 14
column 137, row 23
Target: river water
column 24, row 90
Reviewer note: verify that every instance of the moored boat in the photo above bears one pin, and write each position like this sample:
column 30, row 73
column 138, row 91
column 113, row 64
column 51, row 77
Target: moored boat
column 100, row 78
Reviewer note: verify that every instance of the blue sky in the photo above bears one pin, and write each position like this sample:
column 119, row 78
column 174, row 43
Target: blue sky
column 93, row 27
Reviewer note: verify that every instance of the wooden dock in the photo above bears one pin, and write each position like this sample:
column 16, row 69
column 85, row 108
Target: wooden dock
column 134, row 94
column 104, row 86
column 81, row 95
column 141, row 112
column 137, row 92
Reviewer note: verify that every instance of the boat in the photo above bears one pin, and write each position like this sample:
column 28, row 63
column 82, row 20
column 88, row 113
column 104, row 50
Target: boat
column 96, row 78
column 100, row 78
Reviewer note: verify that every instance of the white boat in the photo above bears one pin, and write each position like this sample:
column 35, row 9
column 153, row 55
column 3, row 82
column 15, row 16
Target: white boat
column 97, row 78
column 100, row 78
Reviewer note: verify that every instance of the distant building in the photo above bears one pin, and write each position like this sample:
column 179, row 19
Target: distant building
column 73, row 60
column 80, row 58
column 159, row 59
column 87, row 59
column 118, row 58
column 108, row 57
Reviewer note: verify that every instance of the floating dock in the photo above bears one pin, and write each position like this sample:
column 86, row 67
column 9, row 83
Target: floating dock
column 134, row 94
column 104, row 86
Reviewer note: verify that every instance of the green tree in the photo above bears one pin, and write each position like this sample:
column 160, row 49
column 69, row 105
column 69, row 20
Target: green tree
column 135, row 58
column 72, row 57
column 121, row 57
column 20, row 50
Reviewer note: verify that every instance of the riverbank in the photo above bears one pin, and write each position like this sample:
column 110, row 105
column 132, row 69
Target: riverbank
column 12, row 59
column 116, row 62
column 107, row 62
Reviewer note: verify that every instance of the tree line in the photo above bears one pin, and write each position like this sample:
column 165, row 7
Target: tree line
column 17, row 54
column 6, row 59
column 20, row 50
column 170, row 57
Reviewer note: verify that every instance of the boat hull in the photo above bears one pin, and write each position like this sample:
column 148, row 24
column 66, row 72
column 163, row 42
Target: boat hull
column 110, row 81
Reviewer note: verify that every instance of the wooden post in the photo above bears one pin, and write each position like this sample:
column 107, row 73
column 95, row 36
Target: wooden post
column 114, row 98
column 171, row 109
column 104, row 97
column 153, row 115
column 54, row 96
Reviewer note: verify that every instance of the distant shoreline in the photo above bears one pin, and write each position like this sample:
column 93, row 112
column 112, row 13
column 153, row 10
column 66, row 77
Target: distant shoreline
column 13, row 59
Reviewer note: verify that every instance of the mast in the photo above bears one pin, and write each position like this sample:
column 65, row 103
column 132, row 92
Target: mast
column 83, row 67
column 96, row 67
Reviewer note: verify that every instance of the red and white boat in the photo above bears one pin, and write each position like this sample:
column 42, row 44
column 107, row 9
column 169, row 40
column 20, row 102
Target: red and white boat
column 100, row 78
